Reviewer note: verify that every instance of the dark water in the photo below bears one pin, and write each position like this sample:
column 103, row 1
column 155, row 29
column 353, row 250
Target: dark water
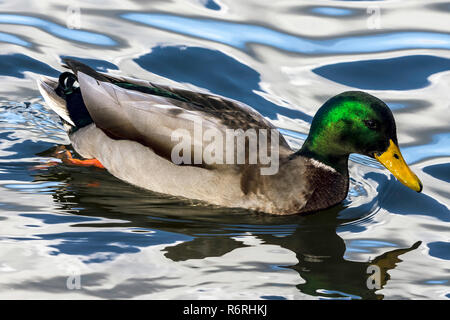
column 69, row 232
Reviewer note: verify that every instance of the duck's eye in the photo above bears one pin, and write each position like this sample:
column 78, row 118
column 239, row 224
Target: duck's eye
column 371, row 124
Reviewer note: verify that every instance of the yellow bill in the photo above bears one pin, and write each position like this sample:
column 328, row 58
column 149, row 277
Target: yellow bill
column 393, row 161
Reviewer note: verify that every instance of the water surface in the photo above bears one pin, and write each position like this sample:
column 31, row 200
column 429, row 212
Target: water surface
column 69, row 232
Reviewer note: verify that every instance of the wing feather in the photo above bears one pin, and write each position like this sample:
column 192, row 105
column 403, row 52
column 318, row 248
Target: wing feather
column 152, row 119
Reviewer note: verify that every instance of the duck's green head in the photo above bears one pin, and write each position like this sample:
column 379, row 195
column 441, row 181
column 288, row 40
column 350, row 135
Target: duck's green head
column 357, row 122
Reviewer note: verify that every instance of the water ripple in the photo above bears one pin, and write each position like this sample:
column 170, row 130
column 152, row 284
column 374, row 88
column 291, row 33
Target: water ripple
column 438, row 147
column 331, row 11
column 239, row 35
column 10, row 38
column 58, row 30
column 15, row 65
column 400, row 73
column 106, row 245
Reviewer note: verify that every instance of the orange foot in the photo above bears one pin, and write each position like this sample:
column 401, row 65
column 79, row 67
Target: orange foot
column 66, row 157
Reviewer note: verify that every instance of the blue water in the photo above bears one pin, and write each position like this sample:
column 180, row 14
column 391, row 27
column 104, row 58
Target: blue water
column 285, row 59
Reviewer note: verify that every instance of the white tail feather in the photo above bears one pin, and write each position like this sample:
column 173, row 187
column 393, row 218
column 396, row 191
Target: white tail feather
column 56, row 103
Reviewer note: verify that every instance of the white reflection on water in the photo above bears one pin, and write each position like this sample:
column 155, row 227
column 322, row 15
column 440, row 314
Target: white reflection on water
column 57, row 30
column 238, row 35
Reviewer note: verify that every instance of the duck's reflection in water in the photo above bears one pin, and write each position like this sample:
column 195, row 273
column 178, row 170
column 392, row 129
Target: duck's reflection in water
column 313, row 238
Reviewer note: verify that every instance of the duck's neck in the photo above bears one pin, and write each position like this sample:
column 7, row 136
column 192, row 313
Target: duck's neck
column 324, row 153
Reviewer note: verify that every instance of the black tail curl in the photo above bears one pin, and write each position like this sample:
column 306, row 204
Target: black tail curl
column 66, row 84
column 71, row 93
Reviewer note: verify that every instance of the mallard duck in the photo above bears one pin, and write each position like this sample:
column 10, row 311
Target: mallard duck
column 127, row 126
